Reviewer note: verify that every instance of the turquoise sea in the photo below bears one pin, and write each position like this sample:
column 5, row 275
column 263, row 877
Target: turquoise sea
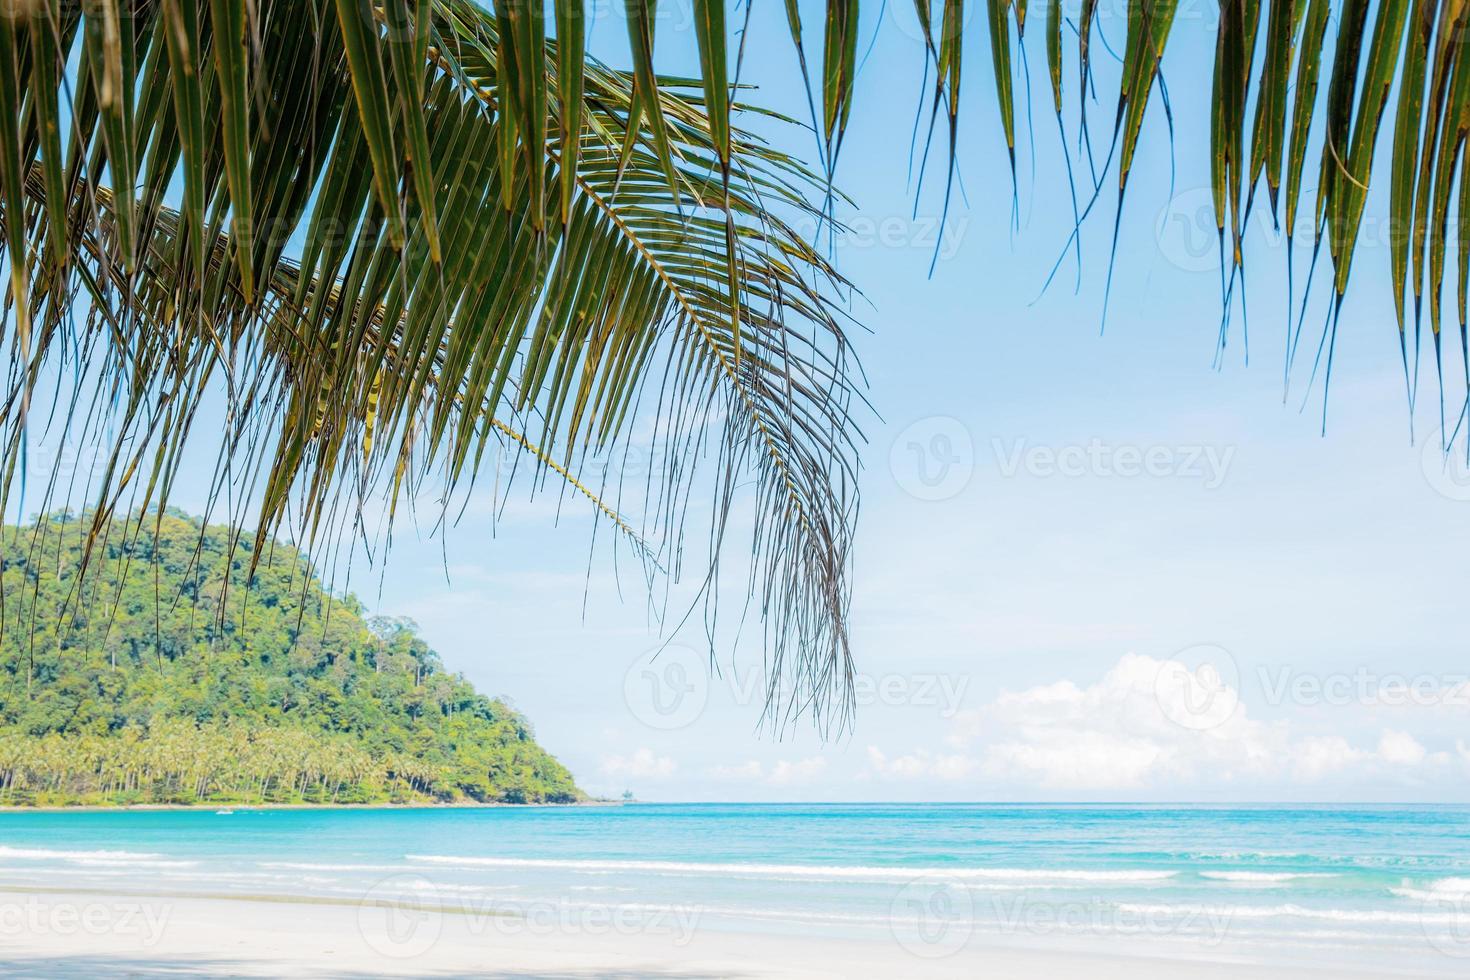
column 1382, row 884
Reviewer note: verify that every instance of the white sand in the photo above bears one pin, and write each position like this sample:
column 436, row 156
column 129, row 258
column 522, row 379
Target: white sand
column 58, row 934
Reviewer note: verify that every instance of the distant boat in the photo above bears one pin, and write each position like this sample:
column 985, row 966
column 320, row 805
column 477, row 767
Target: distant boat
column 224, row 812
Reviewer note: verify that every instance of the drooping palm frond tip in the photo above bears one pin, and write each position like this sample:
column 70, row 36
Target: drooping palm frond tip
column 357, row 181
column 1301, row 94
column 392, row 235
column 1301, row 89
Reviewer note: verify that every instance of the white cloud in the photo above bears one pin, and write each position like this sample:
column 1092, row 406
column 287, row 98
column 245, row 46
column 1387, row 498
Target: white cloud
column 1145, row 720
column 920, row 765
column 1099, row 763
column 1400, row 748
column 1319, row 756
column 1145, row 724
column 751, row 771
column 642, row 764
column 785, row 772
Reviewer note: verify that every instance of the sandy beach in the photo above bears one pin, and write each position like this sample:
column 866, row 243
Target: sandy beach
column 94, row 934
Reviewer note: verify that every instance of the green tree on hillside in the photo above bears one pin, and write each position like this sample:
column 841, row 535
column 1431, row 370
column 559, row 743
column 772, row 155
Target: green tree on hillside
column 185, row 677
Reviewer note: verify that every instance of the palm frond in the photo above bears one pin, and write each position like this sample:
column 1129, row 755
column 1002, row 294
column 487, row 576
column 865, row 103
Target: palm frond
column 379, row 234
column 1295, row 82
column 1299, row 89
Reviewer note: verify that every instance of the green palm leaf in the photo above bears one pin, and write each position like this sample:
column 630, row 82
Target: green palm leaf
column 465, row 206
column 406, row 258
column 1408, row 62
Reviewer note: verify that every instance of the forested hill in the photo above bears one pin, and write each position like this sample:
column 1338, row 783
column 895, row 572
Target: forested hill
column 161, row 677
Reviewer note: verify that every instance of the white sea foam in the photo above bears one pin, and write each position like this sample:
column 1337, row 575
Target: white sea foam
column 1250, row 855
column 1234, row 912
column 801, row 871
column 727, row 911
column 310, row 866
column 94, row 859
column 1264, row 877
column 439, row 886
column 1442, row 890
column 53, row 854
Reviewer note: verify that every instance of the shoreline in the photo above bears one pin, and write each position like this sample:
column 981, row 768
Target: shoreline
column 246, row 807
column 97, row 932
column 699, row 894
column 252, row 898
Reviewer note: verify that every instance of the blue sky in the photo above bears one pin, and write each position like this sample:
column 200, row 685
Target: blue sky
column 1014, row 636
column 1089, row 566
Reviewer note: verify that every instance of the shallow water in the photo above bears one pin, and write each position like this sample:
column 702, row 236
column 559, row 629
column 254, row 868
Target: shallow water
column 1384, row 884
